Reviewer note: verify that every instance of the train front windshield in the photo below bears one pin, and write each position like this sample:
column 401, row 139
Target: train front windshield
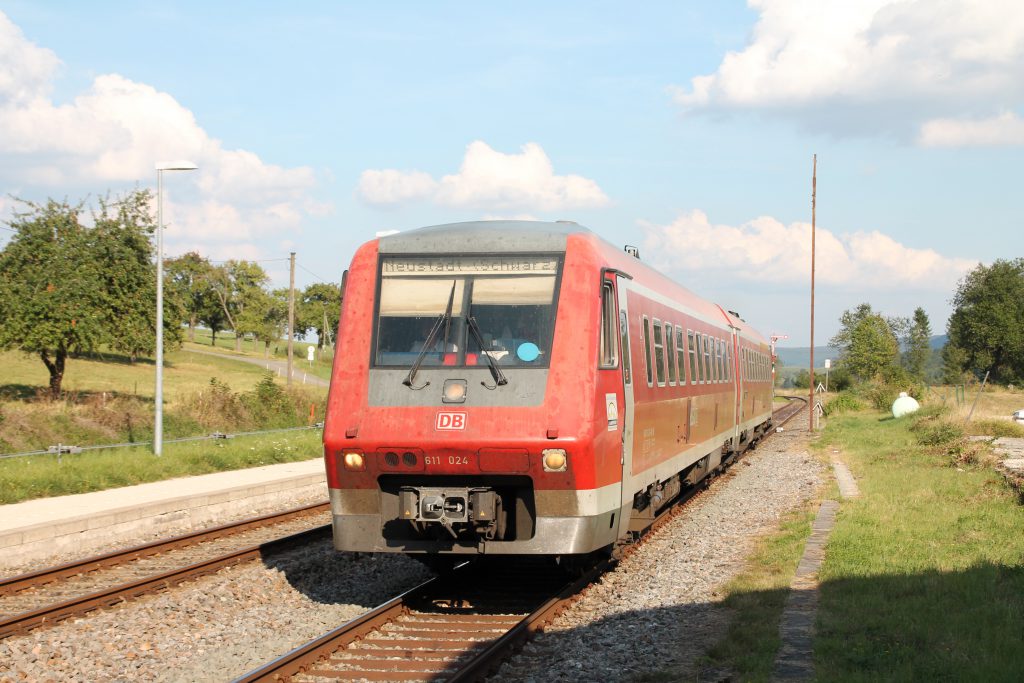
column 502, row 306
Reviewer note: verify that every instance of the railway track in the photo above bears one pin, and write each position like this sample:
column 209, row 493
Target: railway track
column 455, row 627
column 28, row 601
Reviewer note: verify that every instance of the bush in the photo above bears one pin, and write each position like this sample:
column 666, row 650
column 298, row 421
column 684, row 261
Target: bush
column 839, row 379
column 995, row 428
column 945, row 438
column 270, row 406
column 939, row 433
column 843, row 402
column 266, row 406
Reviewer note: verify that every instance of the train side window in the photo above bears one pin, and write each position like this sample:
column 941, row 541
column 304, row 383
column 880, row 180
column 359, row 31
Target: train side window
column 721, row 354
column 708, row 372
column 721, row 360
column 626, row 362
column 609, row 340
column 725, row 360
column 670, row 353
column 647, row 351
column 691, row 348
column 728, row 360
column 744, row 368
column 716, row 371
column 659, row 351
column 699, row 338
column 680, row 355
column 715, row 348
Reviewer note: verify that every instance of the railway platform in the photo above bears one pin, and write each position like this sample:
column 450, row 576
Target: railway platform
column 44, row 527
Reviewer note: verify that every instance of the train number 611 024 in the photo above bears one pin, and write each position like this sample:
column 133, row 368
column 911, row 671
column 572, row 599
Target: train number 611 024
column 452, row 460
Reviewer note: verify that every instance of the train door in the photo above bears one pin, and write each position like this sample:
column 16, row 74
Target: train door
column 737, row 384
column 627, row 407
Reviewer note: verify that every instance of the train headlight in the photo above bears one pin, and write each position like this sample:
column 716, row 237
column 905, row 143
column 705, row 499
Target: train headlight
column 554, row 459
column 354, row 461
column 454, row 391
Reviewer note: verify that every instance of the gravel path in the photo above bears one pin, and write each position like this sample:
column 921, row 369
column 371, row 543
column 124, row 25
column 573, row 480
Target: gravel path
column 659, row 609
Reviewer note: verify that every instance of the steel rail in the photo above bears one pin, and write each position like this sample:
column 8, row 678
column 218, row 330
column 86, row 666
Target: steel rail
column 483, row 660
column 300, row 658
column 114, row 594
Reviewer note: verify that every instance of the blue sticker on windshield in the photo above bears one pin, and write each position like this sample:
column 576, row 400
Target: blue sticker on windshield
column 528, row 352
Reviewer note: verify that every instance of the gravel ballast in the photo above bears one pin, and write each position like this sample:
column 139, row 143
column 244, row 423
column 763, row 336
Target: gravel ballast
column 217, row 627
column 657, row 609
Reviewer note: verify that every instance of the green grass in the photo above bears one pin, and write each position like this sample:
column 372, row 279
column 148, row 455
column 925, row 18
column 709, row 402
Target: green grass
column 279, row 352
column 923, row 577
column 42, row 476
column 109, row 400
column 755, row 599
column 24, row 375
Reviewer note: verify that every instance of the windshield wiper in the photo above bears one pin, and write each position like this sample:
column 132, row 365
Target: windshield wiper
column 499, row 376
column 446, row 319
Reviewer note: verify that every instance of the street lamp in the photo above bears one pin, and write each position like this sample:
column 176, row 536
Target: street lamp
column 158, row 425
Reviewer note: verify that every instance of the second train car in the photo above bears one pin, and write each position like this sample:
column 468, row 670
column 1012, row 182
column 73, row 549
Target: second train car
column 522, row 388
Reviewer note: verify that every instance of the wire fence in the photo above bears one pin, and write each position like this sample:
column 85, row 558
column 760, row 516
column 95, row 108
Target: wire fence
column 62, row 449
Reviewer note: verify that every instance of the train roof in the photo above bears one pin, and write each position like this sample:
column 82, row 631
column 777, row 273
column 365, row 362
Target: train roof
column 534, row 236
column 482, row 236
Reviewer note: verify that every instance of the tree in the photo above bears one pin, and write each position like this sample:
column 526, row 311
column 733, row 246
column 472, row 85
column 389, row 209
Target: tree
column 124, row 255
column 986, row 328
column 237, row 285
column 272, row 311
column 867, row 341
column 67, row 288
column 319, row 309
column 918, row 344
column 188, row 286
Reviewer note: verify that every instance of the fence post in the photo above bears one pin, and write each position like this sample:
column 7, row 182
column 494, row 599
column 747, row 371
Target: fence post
column 980, row 389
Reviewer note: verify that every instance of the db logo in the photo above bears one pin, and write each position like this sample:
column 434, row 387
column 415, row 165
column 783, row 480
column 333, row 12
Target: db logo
column 450, row 421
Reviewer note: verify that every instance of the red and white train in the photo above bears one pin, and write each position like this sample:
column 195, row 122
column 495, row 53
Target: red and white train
column 513, row 387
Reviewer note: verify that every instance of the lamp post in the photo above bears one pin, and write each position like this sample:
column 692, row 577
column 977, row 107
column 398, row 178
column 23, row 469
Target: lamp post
column 158, row 424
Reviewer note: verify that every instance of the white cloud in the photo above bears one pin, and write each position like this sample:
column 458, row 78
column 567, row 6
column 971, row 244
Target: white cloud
column 873, row 65
column 25, row 69
column 395, row 187
column 487, row 178
column 766, row 250
column 115, row 131
column 1004, row 129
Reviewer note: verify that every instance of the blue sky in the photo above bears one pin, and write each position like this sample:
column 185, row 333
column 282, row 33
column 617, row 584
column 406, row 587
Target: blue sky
column 685, row 128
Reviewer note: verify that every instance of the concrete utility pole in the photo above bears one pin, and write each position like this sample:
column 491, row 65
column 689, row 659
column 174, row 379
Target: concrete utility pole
column 814, row 199
column 291, row 315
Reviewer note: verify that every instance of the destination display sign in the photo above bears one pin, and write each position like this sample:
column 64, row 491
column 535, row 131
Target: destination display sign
column 470, row 265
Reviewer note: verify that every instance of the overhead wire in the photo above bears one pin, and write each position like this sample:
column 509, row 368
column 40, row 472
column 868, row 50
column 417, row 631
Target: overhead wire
column 319, row 277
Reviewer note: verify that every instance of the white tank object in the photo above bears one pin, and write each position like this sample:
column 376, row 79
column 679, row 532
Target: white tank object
column 904, row 405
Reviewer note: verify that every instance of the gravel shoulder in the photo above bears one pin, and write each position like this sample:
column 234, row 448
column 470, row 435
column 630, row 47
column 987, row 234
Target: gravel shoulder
column 659, row 610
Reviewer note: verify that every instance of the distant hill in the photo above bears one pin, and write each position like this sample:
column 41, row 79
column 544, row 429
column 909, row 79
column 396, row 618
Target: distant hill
column 800, row 356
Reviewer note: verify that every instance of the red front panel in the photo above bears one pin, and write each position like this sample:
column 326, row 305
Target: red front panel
column 462, row 441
